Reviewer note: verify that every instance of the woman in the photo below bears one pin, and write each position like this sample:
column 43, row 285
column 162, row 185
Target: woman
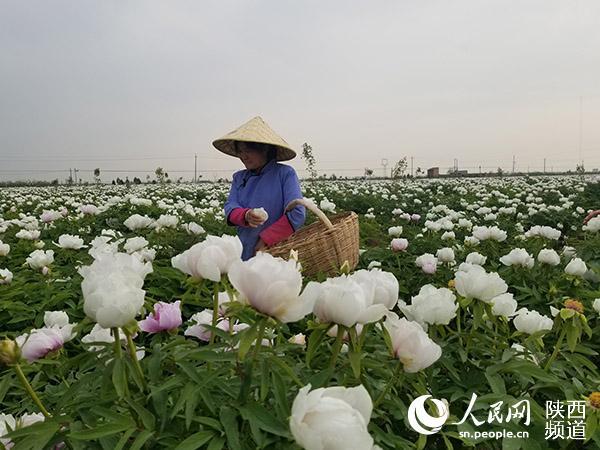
column 263, row 184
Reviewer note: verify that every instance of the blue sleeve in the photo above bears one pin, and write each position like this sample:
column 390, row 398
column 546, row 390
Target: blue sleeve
column 292, row 191
column 232, row 200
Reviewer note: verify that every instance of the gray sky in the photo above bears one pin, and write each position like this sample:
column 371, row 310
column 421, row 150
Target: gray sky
column 141, row 84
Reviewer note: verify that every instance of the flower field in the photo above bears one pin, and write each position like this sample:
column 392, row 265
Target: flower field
column 129, row 321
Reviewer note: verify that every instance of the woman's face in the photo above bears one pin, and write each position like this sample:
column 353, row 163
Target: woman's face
column 252, row 158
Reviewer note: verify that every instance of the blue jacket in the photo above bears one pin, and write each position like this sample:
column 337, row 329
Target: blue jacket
column 272, row 189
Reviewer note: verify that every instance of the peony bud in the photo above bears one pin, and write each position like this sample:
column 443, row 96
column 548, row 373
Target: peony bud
column 9, row 352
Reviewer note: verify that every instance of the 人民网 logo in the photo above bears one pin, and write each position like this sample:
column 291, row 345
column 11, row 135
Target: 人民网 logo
column 421, row 421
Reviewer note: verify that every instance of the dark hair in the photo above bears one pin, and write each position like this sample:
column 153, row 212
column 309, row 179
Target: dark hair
column 270, row 150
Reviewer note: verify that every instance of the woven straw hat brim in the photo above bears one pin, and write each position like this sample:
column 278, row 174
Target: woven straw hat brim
column 255, row 130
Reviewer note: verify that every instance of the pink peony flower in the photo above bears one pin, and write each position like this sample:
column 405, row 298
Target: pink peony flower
column 429, row 268
column 399, row 244
column 166, row 317
column 40, row 342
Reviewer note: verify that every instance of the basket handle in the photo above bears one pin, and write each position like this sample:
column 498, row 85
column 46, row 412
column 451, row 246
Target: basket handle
column 312, row 207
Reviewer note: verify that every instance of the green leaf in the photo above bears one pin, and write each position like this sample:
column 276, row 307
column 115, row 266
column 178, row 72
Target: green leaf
column 496, row 383
column 216, row 444
column 247, row 339
column 119, row 377
column 315, row 338
column 146, row 416
column 124, row 439
column 355, row 358
column 4, row 386
column 36, row 436
column 195, row 441
column 253, row 412
column 228, row 418
column 105, row 429
column 141, row 439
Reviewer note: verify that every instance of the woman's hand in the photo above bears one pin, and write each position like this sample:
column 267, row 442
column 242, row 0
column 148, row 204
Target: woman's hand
column 253, row 219
column 591, row 216
column 260, row 245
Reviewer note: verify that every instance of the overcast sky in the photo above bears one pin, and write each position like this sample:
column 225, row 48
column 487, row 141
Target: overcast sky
column 133, row 85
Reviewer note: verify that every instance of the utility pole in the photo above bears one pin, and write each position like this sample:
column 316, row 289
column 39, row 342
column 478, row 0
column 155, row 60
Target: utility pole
column 384, row 163
column 544, row 165
column 75, row 171
column 412, row 172
column 580, row 129
column 70, row 176
column 195, row 161
column 513, row 171
column 455, row 165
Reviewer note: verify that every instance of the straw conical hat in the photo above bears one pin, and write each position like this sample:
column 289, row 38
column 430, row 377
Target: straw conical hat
column 255, row 130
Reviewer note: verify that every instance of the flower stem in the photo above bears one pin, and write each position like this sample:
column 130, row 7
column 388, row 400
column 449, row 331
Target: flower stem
column 30, row 391
column 337, row 346
column 259, row 338
column 132, row 354
column 215, row 315
column 388, row 385
column 115, row 332
column 561, row 337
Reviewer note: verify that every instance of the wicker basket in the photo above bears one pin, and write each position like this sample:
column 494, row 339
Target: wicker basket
column 322, row 246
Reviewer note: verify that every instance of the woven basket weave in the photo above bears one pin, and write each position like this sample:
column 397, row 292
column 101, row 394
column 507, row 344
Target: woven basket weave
column 324, row 246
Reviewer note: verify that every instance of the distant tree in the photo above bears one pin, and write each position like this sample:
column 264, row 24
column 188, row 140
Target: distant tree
column 113, row 182
column 97, row 175
column 580, row 169
column 311, row 163
column 160, row 174
column 419, row 172
column 399, row 168
column 500, row 172
column 136, row 180
column 368, row 172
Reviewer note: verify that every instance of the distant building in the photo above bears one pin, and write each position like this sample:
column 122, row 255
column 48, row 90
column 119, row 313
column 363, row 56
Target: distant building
column 433, row 172
column 460, row 173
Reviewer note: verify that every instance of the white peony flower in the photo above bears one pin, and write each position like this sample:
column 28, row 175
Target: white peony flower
column 6, row 276
column 272, row 286
column 445, row 255
column 137, row 222
column 476, row 258
column 327, row 206
column 596, row 305
column 346, row 300
column 210, row 258
column 333, row 418
column 69, row 241
column 576, row 267
column 548, row 256
column 29, row 235
column 411, row 344
column 592, row 225
column 395, row 231
column 4, row 249
column 504, row 305
column 193, row 228
column 494, row 233
column 427, row 262
column 531, row 321
column 38, row 259
column 385, row 286
column 134, row 244
column 518, row 257
column 112, row 288
column 432, row 306
column 478, row 284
